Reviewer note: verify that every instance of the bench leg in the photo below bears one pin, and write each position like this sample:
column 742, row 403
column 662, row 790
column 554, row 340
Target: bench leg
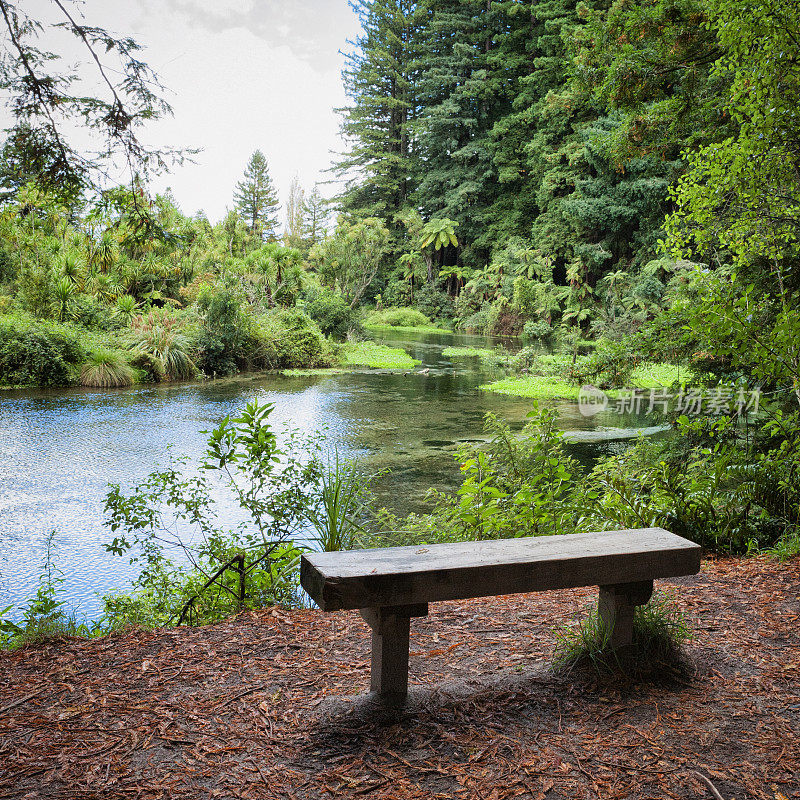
column 390, row 630
column 616, row 607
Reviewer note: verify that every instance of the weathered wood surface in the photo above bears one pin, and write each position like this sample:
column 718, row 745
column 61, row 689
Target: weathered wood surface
column 398, row 576
column 390, row 635
column 617, row 605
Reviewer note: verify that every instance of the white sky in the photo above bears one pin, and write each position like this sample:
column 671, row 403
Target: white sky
column 243, row 75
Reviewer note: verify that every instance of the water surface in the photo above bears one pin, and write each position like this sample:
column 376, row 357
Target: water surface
column 60, row 449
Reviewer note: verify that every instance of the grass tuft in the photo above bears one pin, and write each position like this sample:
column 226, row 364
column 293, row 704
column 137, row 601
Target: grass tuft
column 106, row 369
column 659, row 630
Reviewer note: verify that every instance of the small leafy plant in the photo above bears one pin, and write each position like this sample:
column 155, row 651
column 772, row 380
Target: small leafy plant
column 193, row 568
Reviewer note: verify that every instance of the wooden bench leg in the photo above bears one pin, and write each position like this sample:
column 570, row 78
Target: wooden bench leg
column 390, row 630
column 616, row 607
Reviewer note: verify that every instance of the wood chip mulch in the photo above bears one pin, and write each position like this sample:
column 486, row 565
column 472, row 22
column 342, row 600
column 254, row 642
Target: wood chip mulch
column 272, row 705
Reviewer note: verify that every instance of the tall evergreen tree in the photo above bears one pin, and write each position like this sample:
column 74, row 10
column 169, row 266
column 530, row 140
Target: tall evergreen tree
column 256, row 198
column 379, row 168
column 316, row 217
column 466, row 84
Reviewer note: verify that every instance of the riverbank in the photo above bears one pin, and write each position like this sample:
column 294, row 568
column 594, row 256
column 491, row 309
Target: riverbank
column 39, row 353
column 271, row 704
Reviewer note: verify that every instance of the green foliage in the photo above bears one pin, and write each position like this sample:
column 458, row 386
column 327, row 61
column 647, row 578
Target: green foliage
column 754, row 171
column 659, row 630
column 706, row 486
column 610, row 365
column 37, row 353
column 343, row 501
column 376, row 356
column 225, row 334
column 349, row 260
column 44, row 618
column 220, row 571
column 289, row 338
column 106, row 369
column 333, row 315
column 156, row 336
column 398, row 318
column 537, row 329
column 520, row 485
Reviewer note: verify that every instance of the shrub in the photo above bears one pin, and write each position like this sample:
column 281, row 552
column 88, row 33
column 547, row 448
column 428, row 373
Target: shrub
column 225, row 338
column 483, row 321
column 125, row 308
column 221, row 571
column 399, row 318
column 537, row 329
column 609, row 366
column 106, row 369
column 89, row 312
column 433, row 303
column 333, row 315
column 156, row 335
column 289, row 338
column 37, row 355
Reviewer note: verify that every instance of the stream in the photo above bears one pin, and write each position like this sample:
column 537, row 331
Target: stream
column 59, row 449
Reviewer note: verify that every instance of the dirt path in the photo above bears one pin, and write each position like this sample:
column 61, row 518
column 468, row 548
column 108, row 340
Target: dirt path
column 271, row 705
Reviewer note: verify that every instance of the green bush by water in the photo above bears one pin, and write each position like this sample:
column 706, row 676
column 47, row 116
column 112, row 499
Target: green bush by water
column 37, row 353
column 398, row 318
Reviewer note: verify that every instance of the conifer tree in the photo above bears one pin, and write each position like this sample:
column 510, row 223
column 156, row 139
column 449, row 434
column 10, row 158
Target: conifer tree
column 256, row 198
column 293, row 232
column 466, row 84
column 379, row 169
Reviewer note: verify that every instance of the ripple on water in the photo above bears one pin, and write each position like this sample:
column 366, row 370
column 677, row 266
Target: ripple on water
column 61, row 449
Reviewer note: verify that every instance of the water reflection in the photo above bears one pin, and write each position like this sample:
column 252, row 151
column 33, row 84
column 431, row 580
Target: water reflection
column 60, row 449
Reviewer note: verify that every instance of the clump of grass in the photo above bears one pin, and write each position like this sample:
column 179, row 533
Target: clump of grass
column 156, row 335
column 106, row 369
column 659, row 630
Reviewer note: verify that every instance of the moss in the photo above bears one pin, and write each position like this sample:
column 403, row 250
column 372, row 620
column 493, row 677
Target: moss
column 380, row 328
column 541, row 387
column 483, row 353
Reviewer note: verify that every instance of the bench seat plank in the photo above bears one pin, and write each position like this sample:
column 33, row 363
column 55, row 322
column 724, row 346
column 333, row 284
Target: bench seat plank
column 407, row 575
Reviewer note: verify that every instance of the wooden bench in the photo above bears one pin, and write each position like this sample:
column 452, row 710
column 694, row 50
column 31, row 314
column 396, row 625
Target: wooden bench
column 391, row 585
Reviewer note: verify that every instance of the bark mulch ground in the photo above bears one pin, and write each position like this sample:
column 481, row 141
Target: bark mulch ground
column 272, row 705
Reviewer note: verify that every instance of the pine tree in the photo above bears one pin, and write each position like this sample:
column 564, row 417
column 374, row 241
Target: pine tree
column 379, row 168
column 256, row 198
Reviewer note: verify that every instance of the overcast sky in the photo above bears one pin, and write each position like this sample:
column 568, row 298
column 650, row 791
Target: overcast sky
column 243, row 75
